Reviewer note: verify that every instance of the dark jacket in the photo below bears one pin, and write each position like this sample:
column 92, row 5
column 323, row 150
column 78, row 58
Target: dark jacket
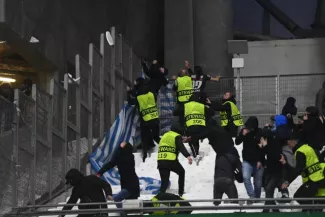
column 273, row 151
column 251, row 153
column 89, row 189
column 289, row 110
column 157, row 78
column 313, row 132
column 226, row 165
column 220, row 140
column 290, row 107
column 180, row 148
column 282, row 130
column 320, row 100
column 124, row 160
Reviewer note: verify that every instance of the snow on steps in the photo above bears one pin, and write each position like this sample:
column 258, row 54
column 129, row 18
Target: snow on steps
column 198, row 180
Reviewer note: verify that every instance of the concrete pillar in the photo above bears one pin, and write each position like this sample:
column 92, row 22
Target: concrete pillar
column 213, row 27
column 178, row 34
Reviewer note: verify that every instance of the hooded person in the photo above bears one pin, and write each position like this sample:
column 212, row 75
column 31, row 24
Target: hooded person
column 313, row 129
column 253, row 157
column 89, row 189
column 157, row 201
column 320, row 101
column 289, row 110
column 123, row 159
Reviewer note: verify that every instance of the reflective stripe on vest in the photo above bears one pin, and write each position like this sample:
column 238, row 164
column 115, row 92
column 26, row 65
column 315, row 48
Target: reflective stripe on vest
column 194, row 113
column 167, row 146
column 147, row 106
column 184, row 88
column 235, row 115
column 314, row 170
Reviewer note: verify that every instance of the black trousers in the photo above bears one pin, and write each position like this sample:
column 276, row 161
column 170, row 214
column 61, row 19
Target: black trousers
column 149, row 133
column 181, row 116
column 232, row 129
column 224, row 185
column 177, row 168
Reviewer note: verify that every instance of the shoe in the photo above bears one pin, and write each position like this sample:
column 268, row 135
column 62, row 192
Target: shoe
column 250, row 202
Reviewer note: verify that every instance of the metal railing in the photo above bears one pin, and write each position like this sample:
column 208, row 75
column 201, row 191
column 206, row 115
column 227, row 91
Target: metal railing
column 260, row 96
column 43, row 135
column 315, row 205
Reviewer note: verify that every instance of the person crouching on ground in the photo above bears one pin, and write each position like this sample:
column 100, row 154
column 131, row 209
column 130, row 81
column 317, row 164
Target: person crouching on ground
column 89, row 189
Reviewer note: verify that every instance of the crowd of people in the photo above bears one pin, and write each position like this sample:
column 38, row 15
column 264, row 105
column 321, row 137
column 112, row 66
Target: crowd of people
column 274, row 156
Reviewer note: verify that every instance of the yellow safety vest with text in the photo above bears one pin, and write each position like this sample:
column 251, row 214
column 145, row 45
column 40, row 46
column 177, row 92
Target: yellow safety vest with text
column 194, row 113
column 167, row 146
column 235, row 116
column 148, row 106
column 184, row 88
column 314, row 169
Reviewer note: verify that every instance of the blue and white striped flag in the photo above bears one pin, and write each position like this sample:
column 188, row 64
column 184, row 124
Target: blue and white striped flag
column 125, row 128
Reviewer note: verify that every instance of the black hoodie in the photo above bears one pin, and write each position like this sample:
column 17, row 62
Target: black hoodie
column 289, row 110
column 251, row 153
column 313, row 129
column 124, row 160
column 89, row 189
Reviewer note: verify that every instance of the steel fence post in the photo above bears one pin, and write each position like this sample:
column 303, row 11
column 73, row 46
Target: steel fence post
column 90, row 99
column 65, row 126
column 15, row 127
column 101, row 87
column 277, row 90
column 78, row 111
column 121, row 68
column 130, row 64
column 50, row 136
column 33, row 144
column 113, row 78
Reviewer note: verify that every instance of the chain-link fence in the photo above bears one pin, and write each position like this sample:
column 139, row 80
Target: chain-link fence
column 260, row 96
column 44, row 135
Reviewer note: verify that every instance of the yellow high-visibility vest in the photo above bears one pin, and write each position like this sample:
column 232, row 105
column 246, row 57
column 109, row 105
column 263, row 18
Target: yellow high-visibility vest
column 184, row 88
column 235, row 115
column 167, row 146
column 314, row 169
column 148, row 106
column 194, row 113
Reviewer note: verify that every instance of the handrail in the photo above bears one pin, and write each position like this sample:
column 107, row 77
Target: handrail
column 168, row 209
column 176, row 201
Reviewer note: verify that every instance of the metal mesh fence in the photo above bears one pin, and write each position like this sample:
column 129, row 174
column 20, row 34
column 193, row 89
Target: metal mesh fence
column 54, row 128
column 261, row 96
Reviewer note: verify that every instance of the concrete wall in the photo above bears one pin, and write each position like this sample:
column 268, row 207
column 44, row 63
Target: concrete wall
column 66, row 27
column 303, row 56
